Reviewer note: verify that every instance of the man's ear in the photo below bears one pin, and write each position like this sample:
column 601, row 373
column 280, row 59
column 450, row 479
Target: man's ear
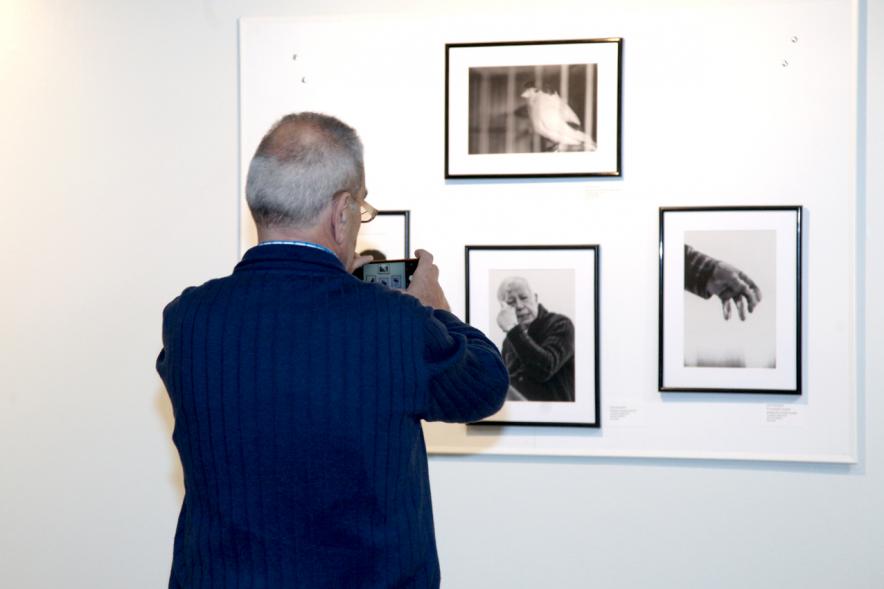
column 339, row 217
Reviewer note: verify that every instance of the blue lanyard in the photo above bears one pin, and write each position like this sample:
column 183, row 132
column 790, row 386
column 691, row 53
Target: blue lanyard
column 315, row 246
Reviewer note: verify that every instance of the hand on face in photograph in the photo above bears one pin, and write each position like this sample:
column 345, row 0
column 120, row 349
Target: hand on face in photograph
column 425, row 282
column 506, row 318
column 732, row 284
column 540, row 353
column 518, row 304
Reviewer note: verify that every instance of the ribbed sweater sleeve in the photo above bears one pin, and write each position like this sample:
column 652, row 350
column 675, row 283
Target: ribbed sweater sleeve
column 698, row 268
column 467, row 378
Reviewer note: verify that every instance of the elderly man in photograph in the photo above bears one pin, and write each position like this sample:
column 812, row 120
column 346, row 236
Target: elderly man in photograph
column 539, row 345
column 298, row 390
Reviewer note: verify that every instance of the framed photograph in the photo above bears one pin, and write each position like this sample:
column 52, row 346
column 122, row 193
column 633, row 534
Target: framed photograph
column 730, row 300
column 386, row 236
column 539, row 305
column 532, row 109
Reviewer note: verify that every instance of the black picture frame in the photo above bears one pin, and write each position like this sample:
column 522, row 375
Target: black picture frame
column 384, row 234
column 567, row 278
column 762, row 249
column 509, row 113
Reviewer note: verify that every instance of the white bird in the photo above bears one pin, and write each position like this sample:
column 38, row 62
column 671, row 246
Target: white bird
column 551, row 117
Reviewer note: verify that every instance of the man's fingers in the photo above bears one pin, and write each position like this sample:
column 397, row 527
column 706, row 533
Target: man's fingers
column 425, row 263
column 752, row 300
column 425, row 282
column 753, row 288
column 751, row 284
column 422, row 255
column 740, row 301
column 360, row 261
column 750, row 294
column 741, row 288
column 726, row 308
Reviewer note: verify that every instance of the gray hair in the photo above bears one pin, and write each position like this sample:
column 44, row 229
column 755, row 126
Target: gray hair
column 302, row 161
column 508, row 283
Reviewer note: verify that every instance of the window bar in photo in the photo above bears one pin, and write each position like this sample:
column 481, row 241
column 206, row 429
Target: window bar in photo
column 510, row 135
column 589, row 117
column 484, row 112
column 538, row 83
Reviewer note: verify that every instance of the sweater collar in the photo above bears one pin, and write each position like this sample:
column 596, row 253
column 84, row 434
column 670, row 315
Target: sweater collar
column 283, row 255
column 297, row 243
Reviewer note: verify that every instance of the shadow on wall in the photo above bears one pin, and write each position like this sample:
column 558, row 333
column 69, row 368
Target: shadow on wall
column 163, row 406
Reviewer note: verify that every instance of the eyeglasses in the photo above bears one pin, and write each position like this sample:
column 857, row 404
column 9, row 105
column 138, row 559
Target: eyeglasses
column 367, row 212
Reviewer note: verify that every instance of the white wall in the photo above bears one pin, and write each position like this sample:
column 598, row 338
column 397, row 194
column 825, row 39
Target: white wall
column 119, row 170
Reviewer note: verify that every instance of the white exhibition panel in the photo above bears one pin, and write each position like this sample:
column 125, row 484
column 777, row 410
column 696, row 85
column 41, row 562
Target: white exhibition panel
column 723, row 104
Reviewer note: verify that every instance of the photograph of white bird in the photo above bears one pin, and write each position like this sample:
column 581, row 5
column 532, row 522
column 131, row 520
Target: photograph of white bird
column 552, row 118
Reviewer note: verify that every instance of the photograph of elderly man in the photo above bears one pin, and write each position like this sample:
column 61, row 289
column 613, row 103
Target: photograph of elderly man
column 539, row 345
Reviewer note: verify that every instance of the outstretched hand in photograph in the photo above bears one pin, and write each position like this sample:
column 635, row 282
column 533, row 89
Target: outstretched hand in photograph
column 705, row 276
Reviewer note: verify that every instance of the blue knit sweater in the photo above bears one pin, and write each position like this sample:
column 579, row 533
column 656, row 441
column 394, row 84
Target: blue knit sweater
column 298, row 394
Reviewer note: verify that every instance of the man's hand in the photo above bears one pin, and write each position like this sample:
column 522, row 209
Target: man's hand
column 731, row 284
column 425, row 282
column 359, row 262
column 506, row 318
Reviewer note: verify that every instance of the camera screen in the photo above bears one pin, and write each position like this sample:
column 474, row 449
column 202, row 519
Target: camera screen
column 390, row 274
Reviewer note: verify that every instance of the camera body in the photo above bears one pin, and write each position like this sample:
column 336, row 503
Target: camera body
column 389, row 273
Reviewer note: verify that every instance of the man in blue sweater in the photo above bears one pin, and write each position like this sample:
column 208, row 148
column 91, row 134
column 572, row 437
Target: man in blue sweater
column 298, row 390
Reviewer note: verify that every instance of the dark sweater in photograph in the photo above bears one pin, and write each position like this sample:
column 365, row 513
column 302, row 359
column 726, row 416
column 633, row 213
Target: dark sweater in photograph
column 540, row 358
